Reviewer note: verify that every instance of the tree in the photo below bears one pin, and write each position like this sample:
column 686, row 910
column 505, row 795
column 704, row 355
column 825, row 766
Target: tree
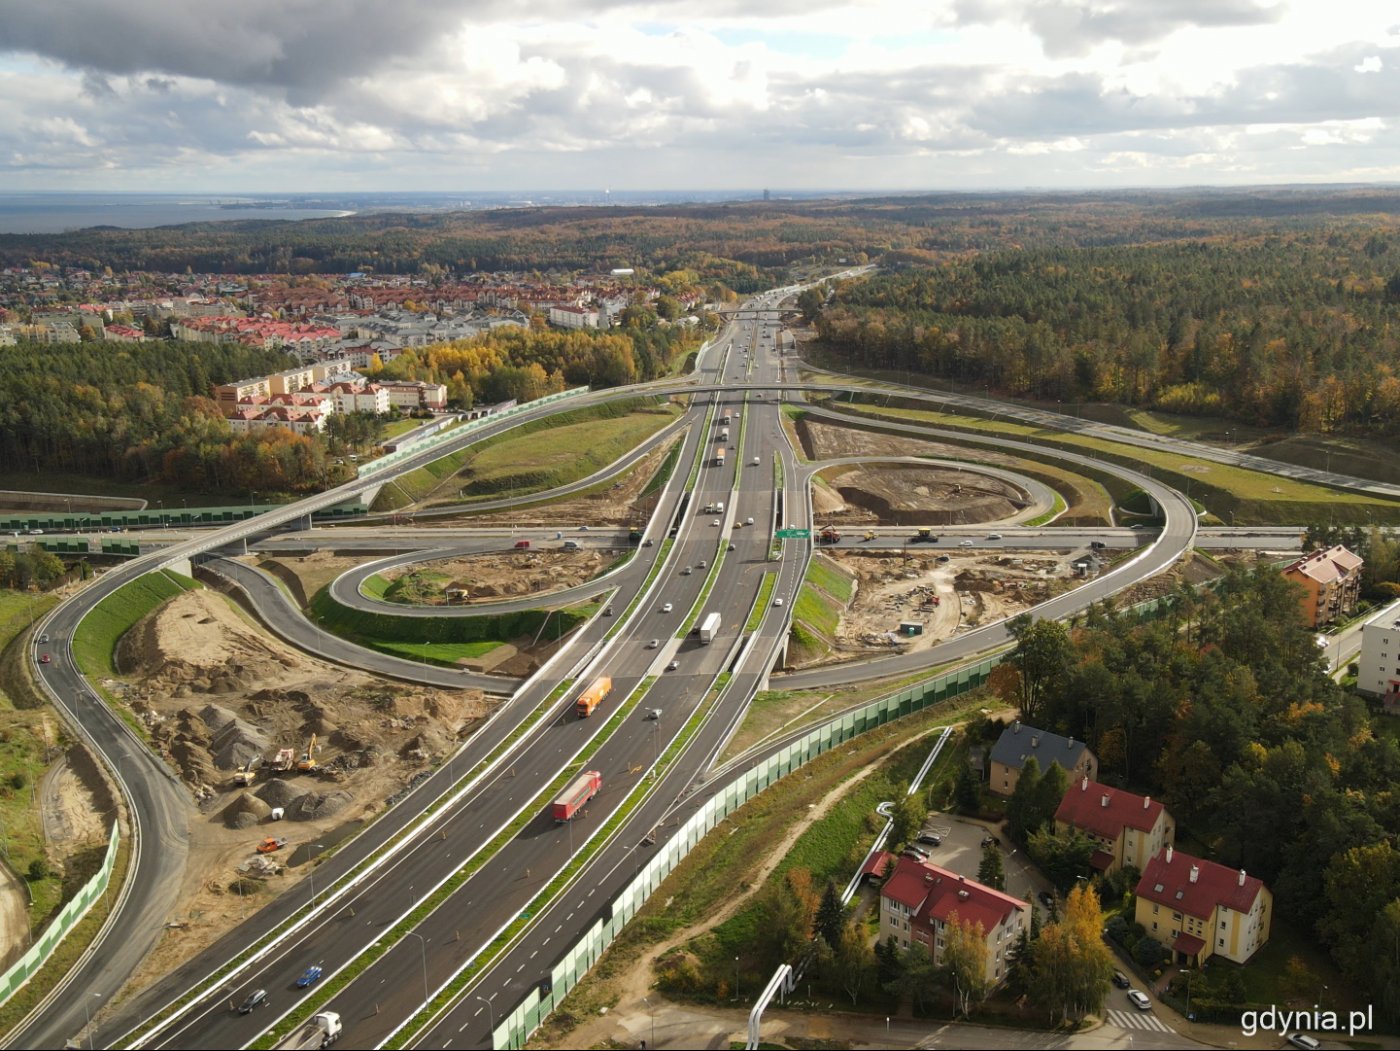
column 789, row 911
column 853, row 959
column 916, row 977
column 887, row 961
column 967, row 793
column 1073, row 965
column 1043, row 657
column 909, row 814
column 1020, row 808
column 1063, row 857
column 1020, row 958
column 965, row 961
column 830, row 920
column 992, row 872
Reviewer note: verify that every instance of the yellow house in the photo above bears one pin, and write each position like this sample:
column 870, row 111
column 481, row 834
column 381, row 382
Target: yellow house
column 1127, row 829
column 1200, row 909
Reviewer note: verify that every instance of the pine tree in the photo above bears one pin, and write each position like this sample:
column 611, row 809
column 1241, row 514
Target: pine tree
column 992, row 872
column 967, row 794
column 831, row 916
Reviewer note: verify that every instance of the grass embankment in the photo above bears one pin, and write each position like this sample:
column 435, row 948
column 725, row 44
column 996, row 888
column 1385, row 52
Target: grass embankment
column 442, row 640
column 1251, row 497
column 536, row 456
column 95, row 642
column 817, row 610
column 706, row 881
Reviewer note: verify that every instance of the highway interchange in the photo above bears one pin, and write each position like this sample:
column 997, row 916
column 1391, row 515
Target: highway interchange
column 465, row 915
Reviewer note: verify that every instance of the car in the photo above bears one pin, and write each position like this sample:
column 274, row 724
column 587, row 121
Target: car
column 667, row 608
column 1047, row 899
column 778, row 601
column 715, row 522
column 257, row 998
column 647, row 542
column 271, row 843
column 686, row 571
column 673, row 665
column 653, row 713
column 704, row 564
column 1096, row 545
column 966, row 543
column 916, row 852
column 44, row 658
column 932, row 839
column 993, row 536
column 36, row 532
column 748, row 521
column 583, row 529
column 1121, row 980
column 756, row 461
column 1302, row 1040
column 309, row 977
column 115, row 529
column 653, row 644
column 731, row 547
column 1139, row 1000
column 607, row 611
column 44, row 637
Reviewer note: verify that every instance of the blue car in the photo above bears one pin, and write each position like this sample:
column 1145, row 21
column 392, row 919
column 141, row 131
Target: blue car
column 309, row 977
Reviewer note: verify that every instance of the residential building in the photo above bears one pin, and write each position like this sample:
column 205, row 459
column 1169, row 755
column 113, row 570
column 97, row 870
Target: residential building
column 1199, row 909
column 1331, row 581
column 1019, row 742
column 1378, row 667
column 1128, row 829
column 573, row 317
column 919, row 899
column 408, row 394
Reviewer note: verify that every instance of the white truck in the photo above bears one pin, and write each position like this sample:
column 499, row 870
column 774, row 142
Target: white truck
column 322, row 1030
column 709, row 628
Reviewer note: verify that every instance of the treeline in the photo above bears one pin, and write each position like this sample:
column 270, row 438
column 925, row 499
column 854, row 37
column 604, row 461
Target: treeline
column 1224, row 710
column 1295, row 328
column 529, row 363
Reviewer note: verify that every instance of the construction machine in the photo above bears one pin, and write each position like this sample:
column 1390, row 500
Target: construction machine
column 308, row 758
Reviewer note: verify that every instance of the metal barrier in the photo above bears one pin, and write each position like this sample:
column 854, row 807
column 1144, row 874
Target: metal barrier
column 68, row 917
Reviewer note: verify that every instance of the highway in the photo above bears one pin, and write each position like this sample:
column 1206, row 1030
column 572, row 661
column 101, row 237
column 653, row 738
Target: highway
column 536, row 757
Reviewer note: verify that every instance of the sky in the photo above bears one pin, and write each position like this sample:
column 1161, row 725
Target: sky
column 420, row 95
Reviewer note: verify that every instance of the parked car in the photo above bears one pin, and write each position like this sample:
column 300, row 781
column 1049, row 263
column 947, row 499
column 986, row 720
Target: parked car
column 309, row 977
column 916, row 852
column 257, row 998
column 1139, row 1000
column 1047, row 899
column 1305, row 1042
column 930, row 838
column 988, row 839
column 1121, row 980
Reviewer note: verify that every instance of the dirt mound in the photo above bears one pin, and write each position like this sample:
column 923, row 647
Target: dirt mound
column 278, row 792
column 425, row 746
column 245, row 811
column 232, row 741
column 313, row 806
column 197, row 640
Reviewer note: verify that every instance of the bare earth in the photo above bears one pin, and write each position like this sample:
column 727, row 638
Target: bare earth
column 215, row 691
column 487, row 578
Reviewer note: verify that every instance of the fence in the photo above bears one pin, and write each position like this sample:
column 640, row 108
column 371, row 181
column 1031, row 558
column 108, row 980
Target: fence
column 521, row 1022
column 25, row 967
column 454, row 433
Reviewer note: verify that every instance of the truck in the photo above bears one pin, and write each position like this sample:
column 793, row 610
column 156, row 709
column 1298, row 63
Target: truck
column 828, row 536
column 709, row 628
column 321, row 1030
column 593, row 696
column 724, row 434
column 719, row 455
column 580, row 791
column 285, row 759
column 924, row 535
column 724, row 418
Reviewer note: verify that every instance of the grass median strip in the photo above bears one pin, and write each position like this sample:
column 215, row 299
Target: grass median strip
column 765, row 591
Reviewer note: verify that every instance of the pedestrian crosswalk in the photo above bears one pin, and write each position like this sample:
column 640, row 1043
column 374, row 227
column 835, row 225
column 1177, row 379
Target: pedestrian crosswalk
column 1138, row 1020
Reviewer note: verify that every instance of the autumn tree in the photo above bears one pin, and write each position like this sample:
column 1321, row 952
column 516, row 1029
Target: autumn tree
column 1073, row 965
column 964, row 962
column 853, row 959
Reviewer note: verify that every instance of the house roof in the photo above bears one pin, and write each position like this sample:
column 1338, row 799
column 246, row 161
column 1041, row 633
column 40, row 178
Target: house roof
column 1104, row 811
column 875, row 867
column 1188, row 943
column 1327, row 565
column 1018, row 742
column 934, row 893
column 1167, row 880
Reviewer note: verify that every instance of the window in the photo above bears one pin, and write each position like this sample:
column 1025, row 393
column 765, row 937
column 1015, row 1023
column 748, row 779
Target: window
column 1222, row 943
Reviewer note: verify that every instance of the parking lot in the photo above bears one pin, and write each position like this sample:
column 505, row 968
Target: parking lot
column 961, row 852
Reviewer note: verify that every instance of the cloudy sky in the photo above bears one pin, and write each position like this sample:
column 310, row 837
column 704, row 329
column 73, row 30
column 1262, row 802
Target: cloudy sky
column 306, row 95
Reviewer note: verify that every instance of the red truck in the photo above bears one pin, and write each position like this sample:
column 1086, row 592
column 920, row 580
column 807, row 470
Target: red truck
column 580, row 791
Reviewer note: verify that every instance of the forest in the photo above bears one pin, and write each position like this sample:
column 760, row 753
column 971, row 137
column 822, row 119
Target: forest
column 1223, row 709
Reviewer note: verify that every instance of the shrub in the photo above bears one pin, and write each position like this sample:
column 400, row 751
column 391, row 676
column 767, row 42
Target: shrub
column 1149, row 952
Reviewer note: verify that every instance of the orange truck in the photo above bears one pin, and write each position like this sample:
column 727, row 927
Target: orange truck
column 593, row 696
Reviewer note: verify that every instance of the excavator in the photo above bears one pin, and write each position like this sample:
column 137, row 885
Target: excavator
column 308, row 758
column 248, row 772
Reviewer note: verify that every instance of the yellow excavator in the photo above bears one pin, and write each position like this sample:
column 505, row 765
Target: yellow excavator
column 308, row 757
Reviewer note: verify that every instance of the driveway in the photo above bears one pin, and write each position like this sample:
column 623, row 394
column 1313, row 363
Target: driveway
column 961, row 852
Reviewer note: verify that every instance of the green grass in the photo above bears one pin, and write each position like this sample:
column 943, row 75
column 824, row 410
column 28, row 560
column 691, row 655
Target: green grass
column 1263, row 976
column 667, row 468
column 760, row 605
column 816, row 612
column 1060, row 508
column 548, row 457
column 375, row 587
column 822, row 572
column 393, row 430
column 440, row 652
column 1254, row 497
column 95, row 642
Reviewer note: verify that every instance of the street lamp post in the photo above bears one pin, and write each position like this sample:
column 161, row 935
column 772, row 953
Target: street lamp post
column 423, row 946
column 652, row 1016
column 87, row 1018
column 490, row 1011
column 311, row 873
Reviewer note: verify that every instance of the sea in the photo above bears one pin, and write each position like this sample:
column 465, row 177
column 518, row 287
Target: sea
column 60, row 212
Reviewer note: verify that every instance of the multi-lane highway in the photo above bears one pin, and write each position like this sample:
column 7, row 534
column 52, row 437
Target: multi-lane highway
column 466, row 920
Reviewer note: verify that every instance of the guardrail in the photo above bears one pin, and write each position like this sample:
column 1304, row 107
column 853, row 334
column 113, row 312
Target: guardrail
column 453, row 433
column 69, row 916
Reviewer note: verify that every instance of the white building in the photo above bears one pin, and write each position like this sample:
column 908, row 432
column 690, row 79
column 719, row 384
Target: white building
column 1378, row 669
column 573, row 317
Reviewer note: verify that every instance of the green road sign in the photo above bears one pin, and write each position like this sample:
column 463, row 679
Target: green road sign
column 793, row 534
